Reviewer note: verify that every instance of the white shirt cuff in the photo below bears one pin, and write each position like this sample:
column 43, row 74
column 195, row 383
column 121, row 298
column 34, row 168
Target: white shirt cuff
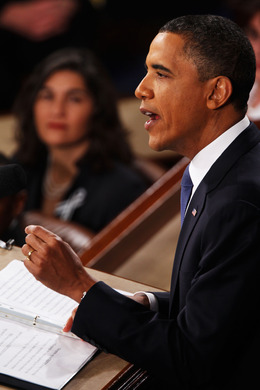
column 152, row 300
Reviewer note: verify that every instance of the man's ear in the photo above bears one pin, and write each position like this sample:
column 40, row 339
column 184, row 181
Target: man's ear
column 220, row 90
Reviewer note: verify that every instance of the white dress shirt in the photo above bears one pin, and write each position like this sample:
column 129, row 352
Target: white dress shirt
column 203, row 160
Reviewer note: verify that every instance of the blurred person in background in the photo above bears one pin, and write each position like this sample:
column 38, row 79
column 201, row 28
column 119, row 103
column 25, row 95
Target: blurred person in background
column 32, row 29
column 72, row 144
column 12, row 200
column 247, row 15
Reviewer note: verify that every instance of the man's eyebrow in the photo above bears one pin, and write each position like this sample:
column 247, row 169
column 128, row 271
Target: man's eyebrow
column 159, row 67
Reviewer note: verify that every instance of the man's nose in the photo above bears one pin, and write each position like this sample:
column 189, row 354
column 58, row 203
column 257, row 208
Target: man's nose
column 143, row 90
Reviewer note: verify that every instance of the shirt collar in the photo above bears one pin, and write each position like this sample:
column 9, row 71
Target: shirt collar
column 203, row 160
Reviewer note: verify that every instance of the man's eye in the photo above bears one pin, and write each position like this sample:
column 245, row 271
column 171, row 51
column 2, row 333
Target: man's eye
column 161, row 75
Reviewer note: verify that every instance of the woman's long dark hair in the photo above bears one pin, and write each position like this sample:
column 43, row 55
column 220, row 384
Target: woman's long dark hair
column 107, row 136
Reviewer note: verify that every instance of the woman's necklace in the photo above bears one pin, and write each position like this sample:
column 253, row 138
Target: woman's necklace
column 53, row 189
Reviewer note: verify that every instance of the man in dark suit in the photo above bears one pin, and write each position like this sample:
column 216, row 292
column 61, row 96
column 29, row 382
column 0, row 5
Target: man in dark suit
column 204, row 333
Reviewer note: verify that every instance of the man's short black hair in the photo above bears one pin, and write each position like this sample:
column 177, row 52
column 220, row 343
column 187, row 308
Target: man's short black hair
column 218, row 47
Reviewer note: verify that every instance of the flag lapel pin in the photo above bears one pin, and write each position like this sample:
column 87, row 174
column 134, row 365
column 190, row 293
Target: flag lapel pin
column 194, row 212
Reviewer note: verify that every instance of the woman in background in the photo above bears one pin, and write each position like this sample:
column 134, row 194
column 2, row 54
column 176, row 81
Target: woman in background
column 247, row 15
column 72, row 144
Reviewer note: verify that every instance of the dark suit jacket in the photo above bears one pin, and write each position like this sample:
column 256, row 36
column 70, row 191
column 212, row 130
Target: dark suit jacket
column 206, row 334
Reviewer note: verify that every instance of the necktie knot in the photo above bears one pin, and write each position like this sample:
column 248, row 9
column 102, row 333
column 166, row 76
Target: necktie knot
column 186, row 188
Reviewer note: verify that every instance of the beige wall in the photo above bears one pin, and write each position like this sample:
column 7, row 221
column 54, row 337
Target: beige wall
column 134, row 121
column 7, row 143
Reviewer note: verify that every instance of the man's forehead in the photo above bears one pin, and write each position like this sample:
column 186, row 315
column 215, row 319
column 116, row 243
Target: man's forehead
column 165, row 50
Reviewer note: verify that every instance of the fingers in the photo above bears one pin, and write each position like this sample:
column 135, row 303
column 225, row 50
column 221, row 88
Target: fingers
column 39, row 231
column 30, row 249
column 37, row 239
column 54, row 263
column 28, row 257
column 69, row 323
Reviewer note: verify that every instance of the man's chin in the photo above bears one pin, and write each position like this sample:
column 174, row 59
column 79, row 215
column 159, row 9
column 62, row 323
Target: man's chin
column 156, row 146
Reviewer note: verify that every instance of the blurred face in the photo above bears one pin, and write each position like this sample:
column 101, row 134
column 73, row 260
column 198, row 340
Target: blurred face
column 173, row 98
column 253, row 33
column 62, row 110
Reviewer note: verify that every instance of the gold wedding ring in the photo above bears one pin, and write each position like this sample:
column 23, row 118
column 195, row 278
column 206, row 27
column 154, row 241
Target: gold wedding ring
column 28, row 257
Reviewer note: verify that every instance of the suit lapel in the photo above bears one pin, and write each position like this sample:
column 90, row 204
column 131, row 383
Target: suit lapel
column 241, row 145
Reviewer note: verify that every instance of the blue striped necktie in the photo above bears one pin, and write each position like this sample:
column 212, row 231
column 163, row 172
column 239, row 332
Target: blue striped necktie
column 186, row 188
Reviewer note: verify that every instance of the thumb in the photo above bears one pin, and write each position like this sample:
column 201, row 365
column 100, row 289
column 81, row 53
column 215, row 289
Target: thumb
column 69, row 322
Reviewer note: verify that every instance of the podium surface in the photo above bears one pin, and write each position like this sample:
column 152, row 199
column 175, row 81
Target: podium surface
column 103, row 371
